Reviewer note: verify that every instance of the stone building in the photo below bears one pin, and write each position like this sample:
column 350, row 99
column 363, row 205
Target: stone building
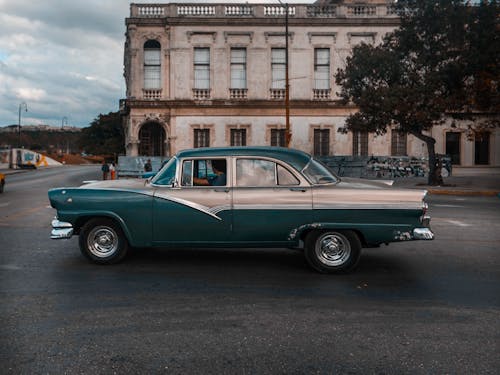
column 214, row 75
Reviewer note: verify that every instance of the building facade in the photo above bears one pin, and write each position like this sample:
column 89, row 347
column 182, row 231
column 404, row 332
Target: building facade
column 202, row 75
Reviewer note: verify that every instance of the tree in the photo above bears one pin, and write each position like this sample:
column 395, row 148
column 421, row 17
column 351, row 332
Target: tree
column 104, row 136
column 423, row 71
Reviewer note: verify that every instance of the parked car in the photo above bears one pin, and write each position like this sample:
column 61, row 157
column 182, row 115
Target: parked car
column 268, row 197
column 2, row 182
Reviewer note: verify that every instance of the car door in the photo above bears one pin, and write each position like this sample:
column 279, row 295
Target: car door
column 270, row 200
column 191, row 214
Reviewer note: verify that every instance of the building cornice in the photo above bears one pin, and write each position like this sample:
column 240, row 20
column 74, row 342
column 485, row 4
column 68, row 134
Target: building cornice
column 297, row 22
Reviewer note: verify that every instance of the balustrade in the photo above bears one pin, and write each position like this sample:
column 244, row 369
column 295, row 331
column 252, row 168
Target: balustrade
column 238, row 10
column 201, row 94
column 238, row 93
column 361, row 10
column 262, row 10
column 151, row 11
column 321, row 94
column 195, row 10
column 277, row 94
column 152, row 94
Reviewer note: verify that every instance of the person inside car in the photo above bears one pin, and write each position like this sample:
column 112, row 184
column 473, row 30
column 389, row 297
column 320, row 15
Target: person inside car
column 219, row 168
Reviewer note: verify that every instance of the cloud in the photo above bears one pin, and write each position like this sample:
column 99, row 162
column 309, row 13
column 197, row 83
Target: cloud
column 30, row 93
column 64, row 58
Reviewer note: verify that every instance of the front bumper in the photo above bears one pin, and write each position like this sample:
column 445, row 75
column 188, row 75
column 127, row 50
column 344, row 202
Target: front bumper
column 61, row 230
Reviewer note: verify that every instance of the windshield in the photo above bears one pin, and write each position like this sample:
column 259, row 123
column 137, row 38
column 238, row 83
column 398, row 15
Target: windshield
column 318, row 173
column 166, row 175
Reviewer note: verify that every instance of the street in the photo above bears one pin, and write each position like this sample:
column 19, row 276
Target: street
column 417, row 307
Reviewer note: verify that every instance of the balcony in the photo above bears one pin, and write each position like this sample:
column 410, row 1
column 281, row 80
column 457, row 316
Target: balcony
column 151, row 94
column 321, row 94
column 277, row 94
column 245, row 10
column 238, row 94
column 201, row 94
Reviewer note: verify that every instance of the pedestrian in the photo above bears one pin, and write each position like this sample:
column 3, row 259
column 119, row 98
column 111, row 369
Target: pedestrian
column 148, row 167
column 112, row 170
column 105, row 170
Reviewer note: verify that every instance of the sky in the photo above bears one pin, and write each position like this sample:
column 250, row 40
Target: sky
column 64, row 58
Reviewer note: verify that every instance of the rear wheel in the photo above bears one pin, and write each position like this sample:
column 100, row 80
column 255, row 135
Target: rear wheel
column 102, row 241
column 332, row 251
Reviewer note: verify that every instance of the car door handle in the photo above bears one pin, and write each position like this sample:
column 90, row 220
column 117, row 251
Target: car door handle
column 222, row 190
column 303, row 190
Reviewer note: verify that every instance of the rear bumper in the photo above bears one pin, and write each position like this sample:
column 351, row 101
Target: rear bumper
column 61, row 230
column 423, row 234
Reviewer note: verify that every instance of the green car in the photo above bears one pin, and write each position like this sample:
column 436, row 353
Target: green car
column 241, row 197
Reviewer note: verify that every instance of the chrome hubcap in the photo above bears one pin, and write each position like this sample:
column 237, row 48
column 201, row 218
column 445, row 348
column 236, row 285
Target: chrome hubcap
column 333, row 249
column 102, row 241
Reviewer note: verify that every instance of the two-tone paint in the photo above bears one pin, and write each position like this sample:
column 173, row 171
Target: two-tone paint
column 160, row 212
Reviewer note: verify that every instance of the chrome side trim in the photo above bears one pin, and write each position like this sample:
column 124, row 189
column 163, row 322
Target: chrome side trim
column 194, row 205
column 423, row 234
column 61, row 230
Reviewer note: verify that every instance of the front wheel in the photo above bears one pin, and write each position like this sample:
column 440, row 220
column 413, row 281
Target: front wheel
column 332, row 251
column 102, row 241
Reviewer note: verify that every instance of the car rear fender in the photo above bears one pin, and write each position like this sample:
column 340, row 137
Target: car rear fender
column 301, row 232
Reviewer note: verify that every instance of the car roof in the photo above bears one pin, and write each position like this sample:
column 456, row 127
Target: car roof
column 296, row 158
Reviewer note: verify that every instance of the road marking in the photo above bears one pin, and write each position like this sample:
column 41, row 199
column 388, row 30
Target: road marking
column 457, row 223
column 4, row 204
column 446, row 205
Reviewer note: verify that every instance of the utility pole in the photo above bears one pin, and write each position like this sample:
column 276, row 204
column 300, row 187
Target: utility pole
column 288, row 134
column 22, row 106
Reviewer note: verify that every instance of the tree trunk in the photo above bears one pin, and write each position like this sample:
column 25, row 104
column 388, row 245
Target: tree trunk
column 434, row 177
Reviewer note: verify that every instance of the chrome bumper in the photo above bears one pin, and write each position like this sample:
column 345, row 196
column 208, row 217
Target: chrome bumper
column 423, row 234
column 61, row 230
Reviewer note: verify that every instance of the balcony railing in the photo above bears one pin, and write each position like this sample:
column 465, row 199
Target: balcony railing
column 151, row 94
column 321, row 94
column 277, row 94
column 238, row 94
column 262, row 10
column 201, row 94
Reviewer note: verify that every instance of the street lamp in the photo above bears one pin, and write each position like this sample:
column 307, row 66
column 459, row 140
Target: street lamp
column 64, row 121
column 22, row 106
column 288, row 134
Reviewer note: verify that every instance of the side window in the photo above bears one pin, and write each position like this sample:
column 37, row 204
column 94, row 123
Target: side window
column 285, row 178
column 255, row 172
column 187, row 173
column 210, row 172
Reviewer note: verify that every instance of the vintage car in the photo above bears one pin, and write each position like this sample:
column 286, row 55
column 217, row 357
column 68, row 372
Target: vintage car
column 241, row 197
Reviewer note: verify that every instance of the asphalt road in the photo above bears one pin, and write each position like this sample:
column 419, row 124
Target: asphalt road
column 416, row 307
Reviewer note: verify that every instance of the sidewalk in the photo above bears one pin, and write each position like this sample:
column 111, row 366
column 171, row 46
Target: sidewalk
column 464, row 181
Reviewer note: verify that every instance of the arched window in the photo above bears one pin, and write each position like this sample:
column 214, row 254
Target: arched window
column 151, row 140
column 152, row 65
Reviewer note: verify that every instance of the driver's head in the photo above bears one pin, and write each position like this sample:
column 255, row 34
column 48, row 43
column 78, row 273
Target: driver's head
column 219, row 165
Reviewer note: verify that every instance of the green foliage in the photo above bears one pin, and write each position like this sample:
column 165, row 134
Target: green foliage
column 442, row 60
column 104, row 136
column 42, row 140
